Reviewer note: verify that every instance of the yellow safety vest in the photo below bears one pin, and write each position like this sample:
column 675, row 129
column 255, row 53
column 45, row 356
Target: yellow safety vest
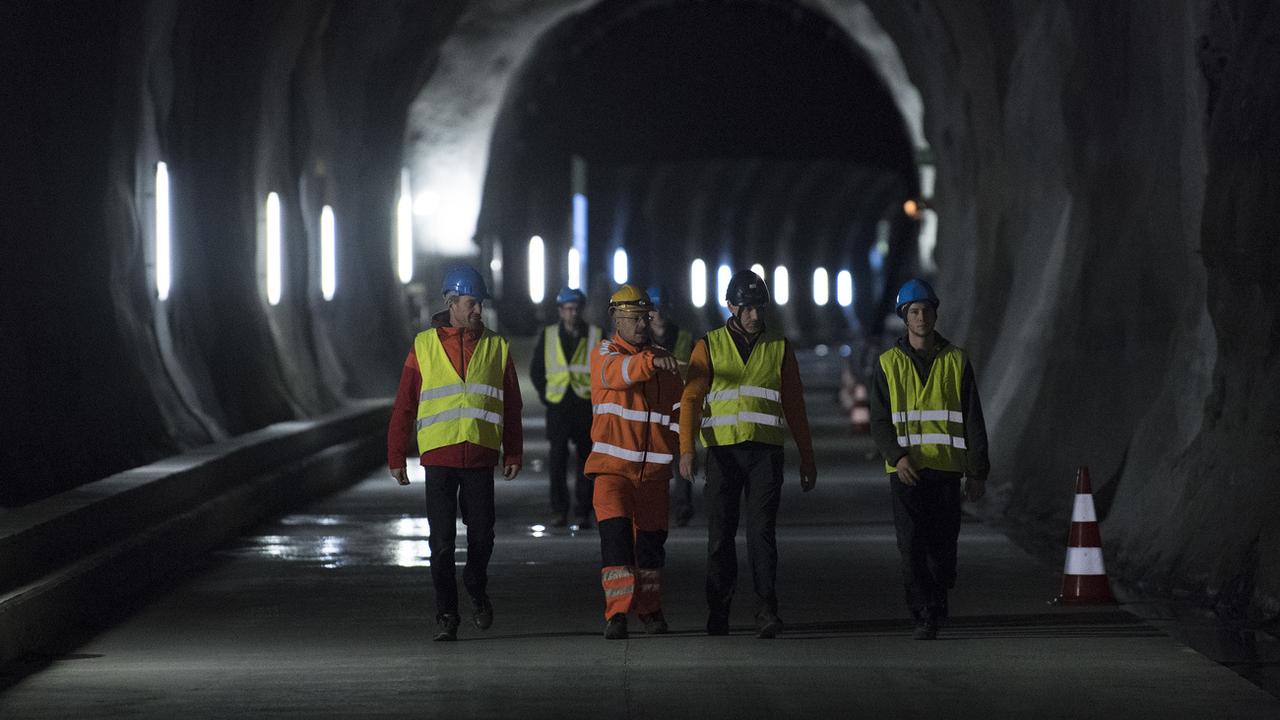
column 745, row 401
column 929, row 418
column 453, row 409
column 563, row 375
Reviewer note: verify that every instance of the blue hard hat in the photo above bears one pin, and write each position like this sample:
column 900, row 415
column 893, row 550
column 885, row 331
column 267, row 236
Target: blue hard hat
column 655, row 296
column 570, row 295
column 464, row 280
column 916, row 290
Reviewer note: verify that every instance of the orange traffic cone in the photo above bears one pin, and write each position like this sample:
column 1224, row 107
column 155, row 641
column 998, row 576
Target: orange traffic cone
column 860, row 414
column 1084, row 578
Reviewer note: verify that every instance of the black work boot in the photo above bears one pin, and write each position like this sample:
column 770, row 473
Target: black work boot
column 926, row 625
column 447, row 626
column 482, row 616
column 768, row 625
column 616, row 628
column 654, row 623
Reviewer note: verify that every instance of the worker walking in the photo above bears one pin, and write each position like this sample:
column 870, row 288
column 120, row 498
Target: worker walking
column 562, row 376
column 459, row 391
column 749, row 380
column 926, row 420
column 679, row 342
column 635, row 390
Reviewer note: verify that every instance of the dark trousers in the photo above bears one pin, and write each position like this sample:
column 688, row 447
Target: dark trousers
column 753, row 470
column 570, row 421
column 448, row 490
column 681, row 494
column 927, row 519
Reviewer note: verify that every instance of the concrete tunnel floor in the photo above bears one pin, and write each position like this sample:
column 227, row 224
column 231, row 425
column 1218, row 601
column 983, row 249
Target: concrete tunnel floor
column 328, row 612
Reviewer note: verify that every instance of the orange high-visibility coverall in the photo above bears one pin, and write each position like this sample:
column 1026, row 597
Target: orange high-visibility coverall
column 634, row 434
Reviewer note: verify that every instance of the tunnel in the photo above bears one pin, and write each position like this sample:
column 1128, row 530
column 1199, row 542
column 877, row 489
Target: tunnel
column 230, row 220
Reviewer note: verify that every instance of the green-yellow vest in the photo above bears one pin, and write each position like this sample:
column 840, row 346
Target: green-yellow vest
column 453, row 409
column 565, row 374
column 929, row 418
column 745, row 401
column 683, row 347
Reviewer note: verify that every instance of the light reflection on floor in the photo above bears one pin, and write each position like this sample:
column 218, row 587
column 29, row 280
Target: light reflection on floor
column 335, row 541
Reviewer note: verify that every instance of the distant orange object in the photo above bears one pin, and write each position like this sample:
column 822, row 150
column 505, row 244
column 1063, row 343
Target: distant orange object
column 1084, row 577
column 860, row 413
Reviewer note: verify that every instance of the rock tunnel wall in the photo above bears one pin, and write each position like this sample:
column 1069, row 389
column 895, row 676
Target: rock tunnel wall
column 1107, row 175
column 1105, row 247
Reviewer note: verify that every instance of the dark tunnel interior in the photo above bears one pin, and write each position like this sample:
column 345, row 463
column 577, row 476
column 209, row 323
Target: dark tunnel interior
column 739, row 132
column 1106, row 177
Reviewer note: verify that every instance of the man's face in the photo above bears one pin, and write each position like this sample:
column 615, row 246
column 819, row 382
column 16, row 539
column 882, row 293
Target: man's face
column 751, row 317
column 464, row 312
column 920, row 318
column 632, row 326
column 569, row 314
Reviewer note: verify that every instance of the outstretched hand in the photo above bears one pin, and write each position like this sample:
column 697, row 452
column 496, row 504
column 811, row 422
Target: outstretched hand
column 666, row 362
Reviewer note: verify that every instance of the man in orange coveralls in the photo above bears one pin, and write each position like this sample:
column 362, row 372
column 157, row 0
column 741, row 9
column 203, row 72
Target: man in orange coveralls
column 635, row 393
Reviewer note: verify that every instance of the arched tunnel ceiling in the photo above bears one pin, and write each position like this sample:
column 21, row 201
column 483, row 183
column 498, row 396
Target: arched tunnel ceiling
column 644, row 85
column 452, row 120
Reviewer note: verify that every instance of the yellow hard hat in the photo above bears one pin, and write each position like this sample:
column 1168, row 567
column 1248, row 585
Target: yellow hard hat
column 630, row 298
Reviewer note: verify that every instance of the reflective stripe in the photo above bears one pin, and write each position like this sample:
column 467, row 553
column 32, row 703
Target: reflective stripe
column 626, row 363
column 675, row 428
column 632, row 455
column 580, row 369
column 615, row 592
column 456, row 388
column 615, row 573
column 1084, row 561
column 456, row 413
column 745, row 390
column 628, row 414
column 1083, row 511
column 744, row 416
column 932, row 439
column 929, row 415
column 760, row 419
column 675, row 407
column 761, row 392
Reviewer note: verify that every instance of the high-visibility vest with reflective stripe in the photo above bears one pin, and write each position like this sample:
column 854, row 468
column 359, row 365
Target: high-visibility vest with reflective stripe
column 563, row 375
column 929, row 418
column 745, row 401
column 454, row 409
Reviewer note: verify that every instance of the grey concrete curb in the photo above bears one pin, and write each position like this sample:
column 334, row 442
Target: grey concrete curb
column 68, row 563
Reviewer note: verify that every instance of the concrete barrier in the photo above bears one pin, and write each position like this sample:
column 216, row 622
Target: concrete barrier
column 70, row 563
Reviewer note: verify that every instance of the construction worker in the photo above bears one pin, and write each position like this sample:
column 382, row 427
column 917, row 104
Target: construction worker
column 926, row 420
column 459, row 390
column 749, row 380
column 562, row 375
column 679, row 342
column 635, row 388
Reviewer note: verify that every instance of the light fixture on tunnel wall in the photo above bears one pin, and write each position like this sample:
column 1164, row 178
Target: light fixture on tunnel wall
column 844, row 288
column 537, row 269
column 758, row 269
column 328, row 253
column 821, row 287
column 575, row 268
column 723, row 274
column 163, row 250
column 275, row 250
column 404, row 229
column 426, row 203
column 781, row 285
column 698, row 283
column 928, row 239
column 620, row 266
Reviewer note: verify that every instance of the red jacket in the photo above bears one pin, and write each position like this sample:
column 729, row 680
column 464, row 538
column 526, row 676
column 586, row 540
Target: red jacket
column 458, row 345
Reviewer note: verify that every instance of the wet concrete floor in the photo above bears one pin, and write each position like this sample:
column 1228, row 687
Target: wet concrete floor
column 328, row 612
